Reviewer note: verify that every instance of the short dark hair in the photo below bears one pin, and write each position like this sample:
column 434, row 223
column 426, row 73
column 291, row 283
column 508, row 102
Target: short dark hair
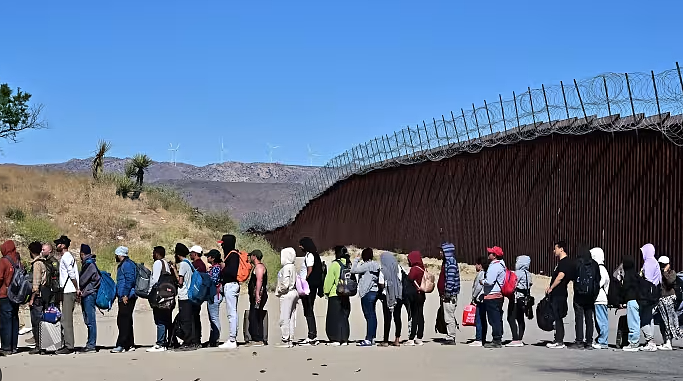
column 35, row 247
column 561, row 244
column 160, row 250
column 256, row 253
column 215, row 255
column 367, row 254
column 480, row 260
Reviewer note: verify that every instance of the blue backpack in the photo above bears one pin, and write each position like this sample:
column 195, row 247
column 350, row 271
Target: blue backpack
column 106, row 293
column 202, row 288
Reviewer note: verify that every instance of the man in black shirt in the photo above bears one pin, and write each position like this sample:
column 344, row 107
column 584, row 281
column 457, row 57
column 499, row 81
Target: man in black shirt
column 562, row 274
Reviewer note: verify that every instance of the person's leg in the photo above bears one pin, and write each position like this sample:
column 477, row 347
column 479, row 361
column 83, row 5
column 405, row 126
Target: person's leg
column 121, row 325
column 292, row 314
column 186, row 322
column 386, row 317
column 558, row 312
column 161, row 328
column 397, row 318
column 646, row 323
column 578, row 322
column 131, row 328
column 6, row 324
column 90, row 319
column 602, row 323
column 497, row 320
column 478, row 322
column 449, row 310
column 589, row 311
column 420, row 316
column 215, row 320
column 253, row 321
column 365, row 304
column 15, row 326
column 69, row 302
column 332, row 321
column 521, row 322
column 232, row 291
column 285, row 312
column 308, row 303
column 36, row 317
column 483, row 320
column 512, row 319
column 633, row 318
column 413, row 321
column 372, row 317
column 345, row 313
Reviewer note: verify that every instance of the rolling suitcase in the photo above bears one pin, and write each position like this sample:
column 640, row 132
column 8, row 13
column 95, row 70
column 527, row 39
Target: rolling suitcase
column 622, row 332
column 245, row 329
column 50, row 336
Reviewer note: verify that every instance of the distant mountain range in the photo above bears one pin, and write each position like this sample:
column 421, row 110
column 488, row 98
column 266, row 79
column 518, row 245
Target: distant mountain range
column 236, row 187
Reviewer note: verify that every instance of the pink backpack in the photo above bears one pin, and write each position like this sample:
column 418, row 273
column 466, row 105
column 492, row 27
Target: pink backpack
column 302, row 286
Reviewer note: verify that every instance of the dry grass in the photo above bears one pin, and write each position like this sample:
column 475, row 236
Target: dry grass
column 55, row 203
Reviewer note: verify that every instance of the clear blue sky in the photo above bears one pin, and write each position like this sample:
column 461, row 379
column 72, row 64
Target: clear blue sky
column 331, row 74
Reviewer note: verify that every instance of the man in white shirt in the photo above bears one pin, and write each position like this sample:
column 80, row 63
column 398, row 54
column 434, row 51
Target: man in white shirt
column 162, row 317
column 68, row 277
column 185, row 316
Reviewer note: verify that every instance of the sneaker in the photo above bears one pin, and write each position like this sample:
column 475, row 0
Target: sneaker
column 365, row 343
column 156, row 348
column 475, row 344
column 286, row 344
column 118, row 350
column 65, row 351
column 35, row 351
column 257, row 344
column 308, row 342
column 410, row 343
column 31, row 342
column 493, row 345
column 650, row 347
column 631, row 348
column 89, row 350
column 556, row 346
column 186, row 348
column 25, row 330
column 449, row 342
column 230, row 344
column 665, row 347
column 383, row 344
column 599, row 346
column 334, row 344
column 577, row 345
column 419, row 342
column 4, row 353
column 514, row 344
column 345, row 344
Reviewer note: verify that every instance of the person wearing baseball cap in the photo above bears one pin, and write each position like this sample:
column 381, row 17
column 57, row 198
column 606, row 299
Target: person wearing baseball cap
column 667, row 305
column 493, row 298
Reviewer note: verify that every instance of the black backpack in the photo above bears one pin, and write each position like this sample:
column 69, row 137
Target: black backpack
column 587, row 282
column 163, row 293
column 649, row 293
column 347, row 284
column 615, row 295
column 52, row 291
column 678, row 288
column 544, row 315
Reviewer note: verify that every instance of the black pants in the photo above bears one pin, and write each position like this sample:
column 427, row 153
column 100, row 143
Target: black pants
column 36, row 317
column 124, row 321
column 559, row 306
column 256, row 319
column 516, row 318
column 417, row 305
column 308, row 303
column 492, row 314
column 186, row 322
column 388, row 316
column 584, row 313
column 337, row 321
column 196, row 311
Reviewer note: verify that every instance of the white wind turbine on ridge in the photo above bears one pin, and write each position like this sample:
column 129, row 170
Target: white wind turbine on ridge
column 174, row 152
column 270, row 151
column 311, row 155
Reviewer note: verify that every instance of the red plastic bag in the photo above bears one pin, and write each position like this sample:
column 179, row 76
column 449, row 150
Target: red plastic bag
column 468, row 315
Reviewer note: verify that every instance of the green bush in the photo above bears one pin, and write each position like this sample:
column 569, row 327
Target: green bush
column 167, row 198
column 216, row 221
column 37, row 229
column 15, row 214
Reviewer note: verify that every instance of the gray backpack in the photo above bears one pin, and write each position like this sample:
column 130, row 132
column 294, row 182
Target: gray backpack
column 21, row 286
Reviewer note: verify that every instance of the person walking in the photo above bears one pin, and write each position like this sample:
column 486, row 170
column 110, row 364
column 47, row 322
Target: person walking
column 391, row 297
column 214, row 258
column 9, row 311
column 231, row 287
column 89, row 284
column 517, row 305
column 601, row 316
column 68, row 280
column 163, row 317
column 125, row 292
column 338, row 306
column 258, row 297
column 449, row 289
column 286, row 291
column 417, row 270
column 586, row 290
column 493, row 298
column 368, row 287
column 312, row 271
column 669, row 326
column 481, row 265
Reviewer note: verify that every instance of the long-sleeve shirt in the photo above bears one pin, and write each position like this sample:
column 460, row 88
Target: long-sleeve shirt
column 156, row 271
column 39, row 275
column 478, row 288
column 370, row 276
column 232, row 265
column 668, row 283
column 125, row 279
column 332, row 278
column 68, row 271
column 495, row 276
column 89, row 280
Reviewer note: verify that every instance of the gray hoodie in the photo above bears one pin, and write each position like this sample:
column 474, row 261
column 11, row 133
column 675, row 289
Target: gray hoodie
column 89, row 278
column 524, row 278
column 478, row 288
column 369, row 278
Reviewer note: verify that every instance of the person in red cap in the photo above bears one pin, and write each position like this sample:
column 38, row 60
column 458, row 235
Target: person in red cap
column 493, row 298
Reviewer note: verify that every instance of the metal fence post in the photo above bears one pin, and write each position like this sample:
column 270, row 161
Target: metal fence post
column 630, row 98
column 583, row 108
column 609, row 108
column 680, row 79
column 566, row 107
column 659, row 111
column 465, row 120
column 476, row 120
column 547, row 107
column 445, row 129
column 516, row 111
column 502, row 110
column 533, row 113
column 411, row 141
column 486, row 106
column 455, row 127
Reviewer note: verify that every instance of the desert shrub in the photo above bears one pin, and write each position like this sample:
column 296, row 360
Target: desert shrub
column 15, row 214
column 216, row 221
column 37, row 229
column 166, row 198
column 106, row 260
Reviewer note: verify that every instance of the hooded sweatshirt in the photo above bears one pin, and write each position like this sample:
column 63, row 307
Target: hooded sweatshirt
column 478, row 288
column 599, row 256
column 9, row 251
column 369, row 277
column 651, row 270
column 89, row 279
column 449, row 279
column 417, row 268
column 125, row 279
column 631, row 282
column 494, row 278
column 524, row 279
column 286, row 277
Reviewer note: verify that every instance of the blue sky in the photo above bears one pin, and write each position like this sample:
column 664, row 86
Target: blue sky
column 331, row 74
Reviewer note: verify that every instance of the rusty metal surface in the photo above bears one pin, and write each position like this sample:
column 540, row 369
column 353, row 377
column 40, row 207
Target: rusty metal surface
column 617, row 191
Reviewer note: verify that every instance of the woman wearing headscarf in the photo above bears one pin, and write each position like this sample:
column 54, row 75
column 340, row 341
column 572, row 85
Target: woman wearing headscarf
column 649, row 295
column 417, row 270
column 289, row 297
column 368, row 287
column 391, row 296
column 338, row 307
column 667, row 306
column 312, row 271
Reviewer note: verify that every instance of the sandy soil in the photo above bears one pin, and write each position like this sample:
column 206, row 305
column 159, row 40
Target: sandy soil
column 533, row 362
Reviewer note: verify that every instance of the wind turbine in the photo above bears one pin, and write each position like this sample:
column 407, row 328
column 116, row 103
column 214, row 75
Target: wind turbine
column 270, row 151
column 311, row 155
column 174, row 152
column 222, row 151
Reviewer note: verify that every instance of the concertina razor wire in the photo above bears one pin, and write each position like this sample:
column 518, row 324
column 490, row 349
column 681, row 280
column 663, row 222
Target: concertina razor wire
column 609, row 102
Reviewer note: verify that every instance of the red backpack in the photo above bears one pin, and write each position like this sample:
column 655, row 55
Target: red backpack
column 509, row 284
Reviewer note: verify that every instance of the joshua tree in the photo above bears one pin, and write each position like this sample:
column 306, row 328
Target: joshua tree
column 98, row 161
column 140, row 163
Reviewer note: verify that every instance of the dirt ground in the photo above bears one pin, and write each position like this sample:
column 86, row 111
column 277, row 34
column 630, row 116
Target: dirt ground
column 433, row 361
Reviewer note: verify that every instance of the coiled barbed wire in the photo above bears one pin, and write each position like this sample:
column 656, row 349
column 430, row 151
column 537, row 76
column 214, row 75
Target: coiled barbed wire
column 609, row 102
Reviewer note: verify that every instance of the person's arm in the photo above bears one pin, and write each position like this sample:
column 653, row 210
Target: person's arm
column 359, row 267
column 491, row 276
column 309, row 266
column 332, row 274
column 156, row 273
column 557, row 282
column 232, row 265
column 71, row 272
column 669, row 277
column 259, row 282
column 37, row 279
column 128, row 280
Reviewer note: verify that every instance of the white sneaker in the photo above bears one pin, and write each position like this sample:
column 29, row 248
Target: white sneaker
column 419, row 342
column 631, row 348
column 285, row 344
column 599, row 346
column 410, row 343
column 556, row 346
column 228, row 345
column 476, row 344
column 650, row 347
column 25, row 330
column 308, row 342
column 156, row 348
column 345, row 344
column 334, row 344
column 666, row 346
column 514, row 344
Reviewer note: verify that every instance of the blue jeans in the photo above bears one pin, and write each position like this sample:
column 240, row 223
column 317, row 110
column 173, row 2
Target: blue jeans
column 9, row 325
column 231, row 291
column 164, row 322
column 602, row 323
column 215, row 319
column 90, row 319
column 492, row 314
column 477, row 321
column 633, row 318
column 367, row 303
